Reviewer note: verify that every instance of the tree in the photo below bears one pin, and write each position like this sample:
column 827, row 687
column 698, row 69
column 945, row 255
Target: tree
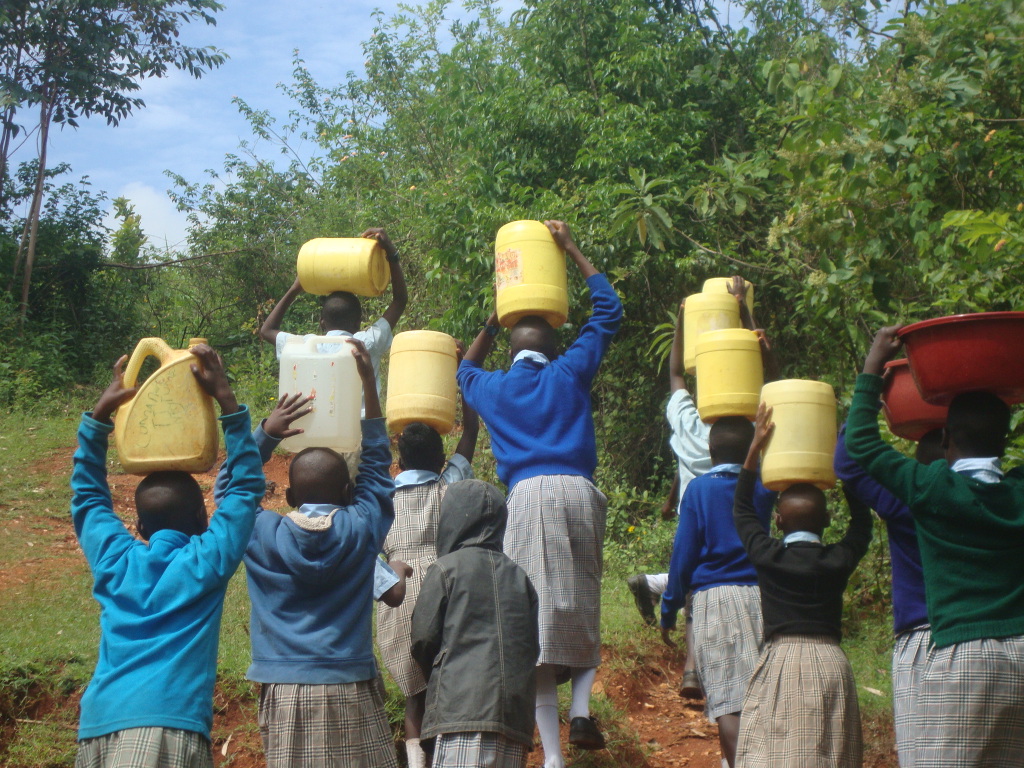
column 70, row 59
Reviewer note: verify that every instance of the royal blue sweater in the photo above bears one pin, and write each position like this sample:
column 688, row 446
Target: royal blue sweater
column 707, row 551
column 311, row 587
column 539, row 416
column 161, row 602
column 908, row 603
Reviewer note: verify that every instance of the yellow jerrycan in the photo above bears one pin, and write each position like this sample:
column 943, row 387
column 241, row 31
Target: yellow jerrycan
column 705, row 312
column 721, row 285
column 170, row 423
column 324, row 367
column 730, row 374
column 421, row 380
column 354, row 264
column 529, row 274
column 803, row 443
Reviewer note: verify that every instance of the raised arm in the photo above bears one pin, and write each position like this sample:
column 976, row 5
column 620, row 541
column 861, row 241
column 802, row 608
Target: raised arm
column 675, row 357
column 272, row 325
column 399, row 291
column 854, row 545
column 484, row 341
column 760, row 546
column 470, row 431
column 560, row 232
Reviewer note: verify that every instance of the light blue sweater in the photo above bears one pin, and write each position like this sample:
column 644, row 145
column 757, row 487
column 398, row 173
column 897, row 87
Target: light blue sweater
column 160, row 603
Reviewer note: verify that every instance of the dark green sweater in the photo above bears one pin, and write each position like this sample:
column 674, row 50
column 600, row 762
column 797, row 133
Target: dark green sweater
column 971, row 533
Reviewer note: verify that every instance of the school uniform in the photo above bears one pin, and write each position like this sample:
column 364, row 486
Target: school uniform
column 150, row 699
column 709, row 560
column 540, row 420
column 970, row 527
column 912, row 633
column 413, row 540
column 310, row 575
column 801, row 707
column 475, row 636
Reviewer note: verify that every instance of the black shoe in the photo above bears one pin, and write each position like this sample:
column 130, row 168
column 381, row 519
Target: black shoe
column 584, row 733
column 643, row 597
column 690, row 689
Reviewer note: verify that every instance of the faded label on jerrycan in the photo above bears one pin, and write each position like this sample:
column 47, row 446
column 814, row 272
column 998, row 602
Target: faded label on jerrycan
column 508, row 268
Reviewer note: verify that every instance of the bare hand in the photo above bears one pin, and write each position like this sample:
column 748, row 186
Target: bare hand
column 400, row 567
column 212, row 378
column 737, row 286
column 763, row 428
column 460, row 350
column 762, row 339
column 289, row 408
column 378, row 234
column 114, row 395
column 560, row 232
column 666, row 637
column 363, row 362
column 883, row 349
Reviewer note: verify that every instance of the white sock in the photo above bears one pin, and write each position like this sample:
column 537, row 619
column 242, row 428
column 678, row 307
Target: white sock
column 415, row 754
column 547, row 717
column 582, row 684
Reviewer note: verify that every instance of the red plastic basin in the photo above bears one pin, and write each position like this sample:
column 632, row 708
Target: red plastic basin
column 961, row 353
column 906, row 412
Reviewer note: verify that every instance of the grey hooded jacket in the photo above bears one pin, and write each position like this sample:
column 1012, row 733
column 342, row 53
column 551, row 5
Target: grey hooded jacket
column 474, row 628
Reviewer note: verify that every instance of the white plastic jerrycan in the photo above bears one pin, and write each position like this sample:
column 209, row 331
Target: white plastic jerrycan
column 324, row 367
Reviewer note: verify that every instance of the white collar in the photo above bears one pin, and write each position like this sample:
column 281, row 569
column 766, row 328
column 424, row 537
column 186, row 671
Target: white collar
column 316, row 510
column 528, row 354
column 732, row 469
column 985, row 470
column 796, row 536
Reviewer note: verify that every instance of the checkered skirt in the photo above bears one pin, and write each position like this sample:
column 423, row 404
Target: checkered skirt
column 556, row 534
column 145, row 748
column 728, row 634
column 801, row 708
column 909, row 656
column 412, row 539
column 970, row 708
column 478, row 750
column 317, row 726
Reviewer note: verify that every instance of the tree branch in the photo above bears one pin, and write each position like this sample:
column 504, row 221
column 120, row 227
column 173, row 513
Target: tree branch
column 158, row 264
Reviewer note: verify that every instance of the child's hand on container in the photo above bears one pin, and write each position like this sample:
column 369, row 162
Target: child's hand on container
column 378, row 234
column 363, row 363
column 737, row 286
column 114, row 395
column 883, row 349
column 212, row 378
column 560, row 232
column 289, row 408
column 763, row 428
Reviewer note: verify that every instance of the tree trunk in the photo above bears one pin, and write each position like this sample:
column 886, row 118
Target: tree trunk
column 45, row 113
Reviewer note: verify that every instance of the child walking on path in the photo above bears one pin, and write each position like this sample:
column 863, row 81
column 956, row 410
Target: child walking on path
column 801, row 707
column 419, row 489
column 150, row 700
column 970, row 527
column 910, row 616
column 310, row 576
column 709, row 560
column 474, row 635
column 539, row 417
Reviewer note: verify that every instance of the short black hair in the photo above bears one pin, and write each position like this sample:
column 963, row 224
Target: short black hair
column 977, row 424
column 318, row 476
column 170, row 500
column 803, row 507
column 421, row 447
column 729, row 440
column 534, row 333
column 929, row 447
column 341, row 311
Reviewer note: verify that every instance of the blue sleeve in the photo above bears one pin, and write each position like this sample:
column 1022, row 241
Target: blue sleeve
column 100, row 532
column 861, row 484
column 685, row 556
column 374, row 496
column 473, row 381
column 265, row 444
column 584, row 355
column 219, row 550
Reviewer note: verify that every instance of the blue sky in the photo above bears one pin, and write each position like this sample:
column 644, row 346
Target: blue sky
column 189, row 125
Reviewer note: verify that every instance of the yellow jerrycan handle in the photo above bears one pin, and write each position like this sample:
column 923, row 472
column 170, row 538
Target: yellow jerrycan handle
column 146, row 347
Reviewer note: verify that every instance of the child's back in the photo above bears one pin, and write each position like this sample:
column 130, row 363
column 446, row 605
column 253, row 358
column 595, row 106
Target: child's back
column 475, row 635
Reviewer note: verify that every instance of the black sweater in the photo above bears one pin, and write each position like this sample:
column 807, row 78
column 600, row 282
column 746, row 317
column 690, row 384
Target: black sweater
column 802, row 584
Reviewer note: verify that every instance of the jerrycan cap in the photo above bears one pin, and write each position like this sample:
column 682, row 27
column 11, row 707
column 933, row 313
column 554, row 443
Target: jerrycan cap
column 196, row 340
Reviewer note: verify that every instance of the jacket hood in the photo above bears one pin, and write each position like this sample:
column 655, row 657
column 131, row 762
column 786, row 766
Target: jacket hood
column 473, row 514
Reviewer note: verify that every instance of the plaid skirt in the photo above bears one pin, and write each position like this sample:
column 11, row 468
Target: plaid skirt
column 727, row 636
column 556, row 534
column 909, row 656
column 801, row 708
column 145, row 748
column 970, row 709
column 317, row 726
column 478, row 750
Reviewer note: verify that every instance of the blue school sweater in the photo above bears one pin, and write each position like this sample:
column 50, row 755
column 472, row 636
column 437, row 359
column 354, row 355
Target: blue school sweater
column 312, row 589
column 161, row 602
column 707, row 551
column 908, row 603
column 539, row 416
